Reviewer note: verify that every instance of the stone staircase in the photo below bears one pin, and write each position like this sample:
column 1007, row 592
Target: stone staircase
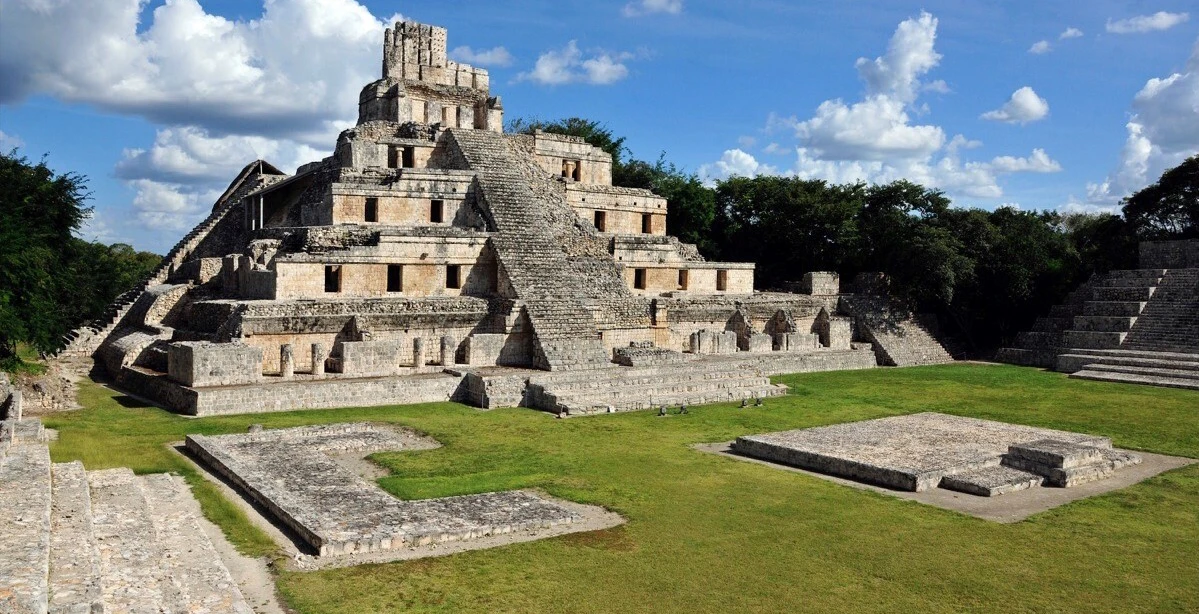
column 1040, row 346
column 711, row 380
column 532, row 257
column 1167, row 369
column 85, row 340
column 899, row 338
column 101, row 541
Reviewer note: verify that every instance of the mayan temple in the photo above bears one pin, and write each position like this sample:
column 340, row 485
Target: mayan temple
column 433, row 257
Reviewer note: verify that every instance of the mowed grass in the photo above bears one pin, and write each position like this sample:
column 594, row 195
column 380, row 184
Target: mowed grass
column 711, row 534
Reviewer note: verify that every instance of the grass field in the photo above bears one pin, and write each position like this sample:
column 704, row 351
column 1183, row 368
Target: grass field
column 710, row 534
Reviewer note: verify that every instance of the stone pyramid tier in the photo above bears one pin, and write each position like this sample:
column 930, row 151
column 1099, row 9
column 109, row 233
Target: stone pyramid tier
column 103, row 541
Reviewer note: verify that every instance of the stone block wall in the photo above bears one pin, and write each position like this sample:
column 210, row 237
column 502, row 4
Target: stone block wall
column 506, row 349
column 201, row 364
column 1170, row 254
column 369, row 358
column 822, row 284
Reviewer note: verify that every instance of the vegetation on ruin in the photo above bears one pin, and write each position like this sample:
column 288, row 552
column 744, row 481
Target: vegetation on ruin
column 50, row 280
column 708, row 533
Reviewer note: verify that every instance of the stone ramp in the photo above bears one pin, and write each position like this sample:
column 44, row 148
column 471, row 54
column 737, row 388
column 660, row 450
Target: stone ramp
column 291, row 473
column 25, row 493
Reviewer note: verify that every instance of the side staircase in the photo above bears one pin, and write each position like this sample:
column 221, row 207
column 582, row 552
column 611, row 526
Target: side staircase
column 101, row 541
column 900, row 339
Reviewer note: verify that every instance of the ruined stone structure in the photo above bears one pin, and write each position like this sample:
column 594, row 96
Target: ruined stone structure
column 922, row 451
column 1139, row 326
column 433, row 257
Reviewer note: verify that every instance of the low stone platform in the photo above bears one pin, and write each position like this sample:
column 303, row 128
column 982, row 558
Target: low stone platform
column 923, row 451
column 293, row 474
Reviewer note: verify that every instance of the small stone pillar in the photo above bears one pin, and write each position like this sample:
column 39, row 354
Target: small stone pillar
column 449, row 348
column 418, row 352
column 287, row 361
column 16, row 405
column 318, row 359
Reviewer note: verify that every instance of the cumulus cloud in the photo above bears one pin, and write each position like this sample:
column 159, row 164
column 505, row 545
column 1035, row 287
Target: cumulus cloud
column 1163, row 131
column 649, row 7
column 568, row 65
column 1023, row 107
column 875, row 140
column 1070, row 33
column 497, row 56
column 1040, row 47
column 1160, row 20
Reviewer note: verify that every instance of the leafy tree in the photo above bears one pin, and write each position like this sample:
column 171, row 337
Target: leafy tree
column 1168, row 209
column 39, row 211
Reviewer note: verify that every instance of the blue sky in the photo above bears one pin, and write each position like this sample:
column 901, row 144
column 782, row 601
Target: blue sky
column 1046, row 105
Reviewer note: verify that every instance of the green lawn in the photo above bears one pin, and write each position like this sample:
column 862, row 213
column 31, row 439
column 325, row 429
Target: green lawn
column 710, row 534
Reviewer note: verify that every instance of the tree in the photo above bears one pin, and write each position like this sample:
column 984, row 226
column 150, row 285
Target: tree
column 595, row 133
column 1168, row 209
column 39, row 212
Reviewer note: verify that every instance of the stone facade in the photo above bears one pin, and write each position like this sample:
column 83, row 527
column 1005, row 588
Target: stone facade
column 429, row 241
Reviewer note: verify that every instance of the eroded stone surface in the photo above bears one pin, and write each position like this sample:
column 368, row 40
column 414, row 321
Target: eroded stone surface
column 292, row 474
column 918, row 451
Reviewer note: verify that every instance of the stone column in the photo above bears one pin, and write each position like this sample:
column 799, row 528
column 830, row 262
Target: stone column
column 318, row 359
column 287, row 361
column 418, row 352
column 449, row 348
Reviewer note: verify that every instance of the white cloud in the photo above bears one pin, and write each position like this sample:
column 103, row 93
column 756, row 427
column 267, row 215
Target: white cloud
column 9, row 142
column 1070, row 33
column 168, row 206
column 1163, row 131
column 909, row 56
column 1147, row 23
column 567, row 65
column 938, row 87
column 1023, row 107
column 746, row 142
column 497, row 56
column 648, row 7
column 734, row 163
column 1040, row 47
column 184, row 65
column 775, row 149
column 874, row 140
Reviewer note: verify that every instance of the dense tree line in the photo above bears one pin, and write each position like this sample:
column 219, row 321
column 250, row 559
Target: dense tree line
column 50, row 280
column 986, row 274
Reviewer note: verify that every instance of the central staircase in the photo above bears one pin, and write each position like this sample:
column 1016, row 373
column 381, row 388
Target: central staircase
column 76, row 541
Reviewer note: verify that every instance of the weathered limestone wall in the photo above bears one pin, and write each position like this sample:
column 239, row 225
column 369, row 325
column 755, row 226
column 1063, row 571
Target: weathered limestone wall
column 623, row 208
column 504, row 349
column 198, row 364
column 822, row 284
column 429, row 278
column 560, row 154
column 1170, row 254
column 702, row 278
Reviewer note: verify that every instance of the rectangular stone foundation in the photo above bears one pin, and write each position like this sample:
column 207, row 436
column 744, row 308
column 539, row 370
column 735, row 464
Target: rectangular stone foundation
column 910, row 453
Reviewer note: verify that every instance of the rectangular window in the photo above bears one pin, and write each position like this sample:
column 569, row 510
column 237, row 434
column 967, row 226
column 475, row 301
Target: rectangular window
column 393, row 156
column 395, row 278
column 453, row 277
column 332, row 278
column 601, row 221
column 684, row 278
column 437, row 211
column 647, row 223
column 372, row 209
column 639, row 279
column 722, row 280
column 409, row 157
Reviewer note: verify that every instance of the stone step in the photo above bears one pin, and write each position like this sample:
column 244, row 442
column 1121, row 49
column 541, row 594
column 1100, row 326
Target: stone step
column 1112, row 324
column 132, row 571
column 1131, row 282
column 1131, row 378
column 1093, row 339
column 1122, row 353
column 1113, row 308
column 74, row 560
column 1076, row 360
column 631, row 401
column 1123, row 294
column 1135, row 274
column 1109, row 461
column 201, row 578
column 991, row 481
column 25, row 495
column 1192, row 373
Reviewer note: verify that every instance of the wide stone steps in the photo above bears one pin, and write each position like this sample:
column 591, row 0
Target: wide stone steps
column 1136, row 378
column 1113, row 308
column 73, row 541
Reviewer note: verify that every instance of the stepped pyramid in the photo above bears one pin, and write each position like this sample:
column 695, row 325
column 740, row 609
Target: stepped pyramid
column 434, row 257
column 1137, row 326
